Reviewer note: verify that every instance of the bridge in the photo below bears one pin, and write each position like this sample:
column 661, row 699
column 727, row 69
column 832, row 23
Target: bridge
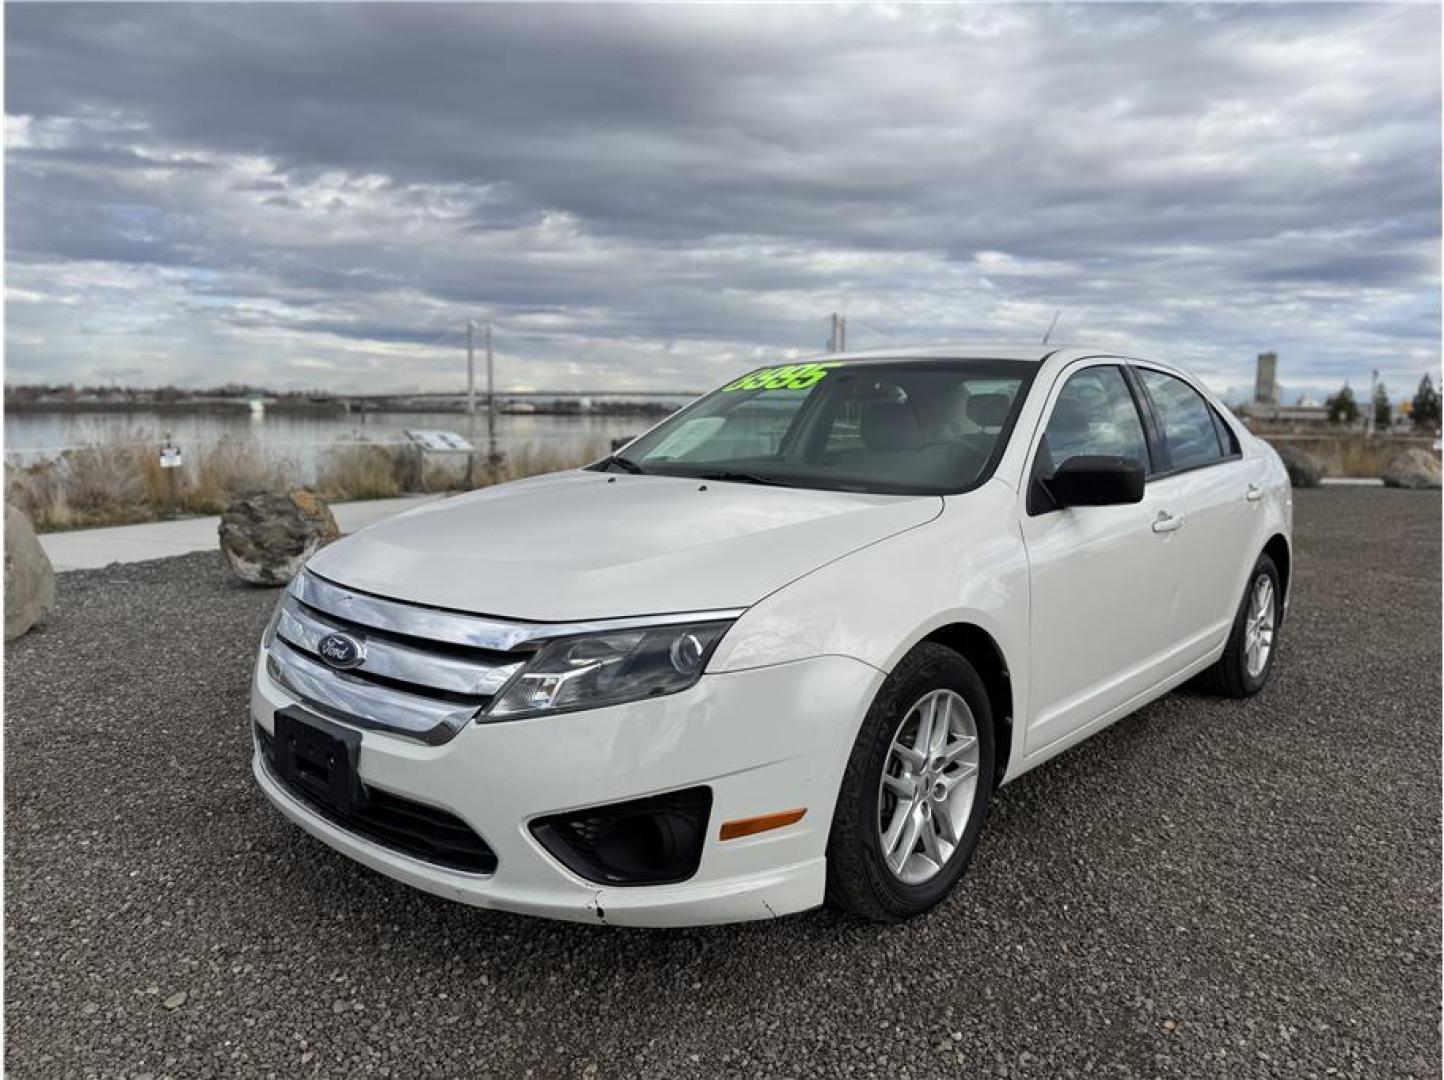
column 433, row 397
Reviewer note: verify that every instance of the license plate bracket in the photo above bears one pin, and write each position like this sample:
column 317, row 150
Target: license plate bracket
column 319, row 758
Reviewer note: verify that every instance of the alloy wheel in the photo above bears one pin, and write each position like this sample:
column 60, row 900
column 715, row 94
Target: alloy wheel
column 928, row 785
column 1258, row 633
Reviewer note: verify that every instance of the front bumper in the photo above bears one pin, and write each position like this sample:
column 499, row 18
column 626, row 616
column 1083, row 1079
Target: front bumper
column 764, row 740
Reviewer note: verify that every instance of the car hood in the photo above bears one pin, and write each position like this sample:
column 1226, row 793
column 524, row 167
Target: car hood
column 589, row 545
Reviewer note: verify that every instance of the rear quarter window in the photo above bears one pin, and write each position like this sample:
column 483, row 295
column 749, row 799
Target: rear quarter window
column 1190, row 428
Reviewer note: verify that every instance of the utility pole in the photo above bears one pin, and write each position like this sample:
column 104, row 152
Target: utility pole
column 490, row 403
column 470, row 369
column 470, row 405
column 1369, row 418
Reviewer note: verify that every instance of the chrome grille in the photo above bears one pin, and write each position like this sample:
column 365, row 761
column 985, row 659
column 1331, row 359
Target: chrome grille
column 425, row 672
column 426, row 688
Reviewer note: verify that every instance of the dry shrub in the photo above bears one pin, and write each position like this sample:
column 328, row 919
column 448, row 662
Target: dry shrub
column 103, row 484
column 531, row 460
column 364, row 470
column 39, row 490
column 232, row 469
column 109, row 483
column 447, row 472
column 526, row 460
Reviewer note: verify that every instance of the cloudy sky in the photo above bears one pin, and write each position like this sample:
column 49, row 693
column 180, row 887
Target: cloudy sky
column 656, row 197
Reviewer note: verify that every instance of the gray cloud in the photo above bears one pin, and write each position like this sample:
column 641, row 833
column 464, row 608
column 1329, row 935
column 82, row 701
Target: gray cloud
column 303, row 194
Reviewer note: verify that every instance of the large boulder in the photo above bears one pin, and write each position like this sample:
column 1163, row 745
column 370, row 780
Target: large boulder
column 267, row 538
column 1305, row 470
column 1416, row 468
column 29, row 577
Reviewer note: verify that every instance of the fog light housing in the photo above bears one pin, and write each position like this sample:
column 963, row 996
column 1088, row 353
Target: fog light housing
column 653, row 841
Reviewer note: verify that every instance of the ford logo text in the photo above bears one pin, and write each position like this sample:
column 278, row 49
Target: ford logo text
column 341, row 651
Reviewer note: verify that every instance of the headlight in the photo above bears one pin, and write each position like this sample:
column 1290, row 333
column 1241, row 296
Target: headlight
column 608, row 668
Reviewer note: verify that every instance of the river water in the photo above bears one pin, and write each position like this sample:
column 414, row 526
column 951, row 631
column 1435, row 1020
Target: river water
column 302, row 436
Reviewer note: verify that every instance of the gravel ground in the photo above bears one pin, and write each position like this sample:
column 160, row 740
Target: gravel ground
column 1207, row 889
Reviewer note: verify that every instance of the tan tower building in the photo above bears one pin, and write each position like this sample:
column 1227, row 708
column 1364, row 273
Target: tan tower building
column 1266, row 382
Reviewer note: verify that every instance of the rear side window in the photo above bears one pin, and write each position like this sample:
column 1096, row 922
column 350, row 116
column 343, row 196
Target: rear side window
column 1190, row 430
column 1227, row 439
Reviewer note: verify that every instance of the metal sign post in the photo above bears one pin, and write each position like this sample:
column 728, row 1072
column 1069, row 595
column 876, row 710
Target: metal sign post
column 170, row 461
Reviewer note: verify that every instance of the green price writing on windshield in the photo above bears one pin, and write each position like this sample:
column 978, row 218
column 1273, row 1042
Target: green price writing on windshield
column 788, row 377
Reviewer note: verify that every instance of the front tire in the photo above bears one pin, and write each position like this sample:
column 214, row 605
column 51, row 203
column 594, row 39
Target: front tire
column 1248, row 658
column 915, row 791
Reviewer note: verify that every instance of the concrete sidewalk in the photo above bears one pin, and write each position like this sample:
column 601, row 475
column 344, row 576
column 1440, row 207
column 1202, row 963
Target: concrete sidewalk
column 86, row 549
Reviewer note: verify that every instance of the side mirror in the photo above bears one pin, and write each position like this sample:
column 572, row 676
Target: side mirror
column 1096, row 480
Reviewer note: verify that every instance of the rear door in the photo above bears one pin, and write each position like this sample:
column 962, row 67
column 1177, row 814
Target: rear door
column 1104, row 579
column 1222, row 495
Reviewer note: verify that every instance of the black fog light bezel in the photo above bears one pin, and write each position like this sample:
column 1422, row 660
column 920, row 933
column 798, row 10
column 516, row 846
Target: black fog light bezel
column 625, row 843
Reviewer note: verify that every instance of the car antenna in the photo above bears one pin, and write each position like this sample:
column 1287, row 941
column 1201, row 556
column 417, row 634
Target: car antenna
column 1051, row 325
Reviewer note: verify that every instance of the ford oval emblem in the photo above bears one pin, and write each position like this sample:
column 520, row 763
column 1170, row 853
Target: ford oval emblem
column 341, row 651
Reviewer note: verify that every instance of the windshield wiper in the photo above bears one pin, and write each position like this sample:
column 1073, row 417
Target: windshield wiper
column 741, row 478
column 625, row 464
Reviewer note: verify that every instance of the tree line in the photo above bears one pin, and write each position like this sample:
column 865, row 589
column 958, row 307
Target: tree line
column 1424, row 409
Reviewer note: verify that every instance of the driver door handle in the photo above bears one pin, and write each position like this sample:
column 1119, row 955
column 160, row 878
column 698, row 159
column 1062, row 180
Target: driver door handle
column 1254, row 493
column 1166, row 522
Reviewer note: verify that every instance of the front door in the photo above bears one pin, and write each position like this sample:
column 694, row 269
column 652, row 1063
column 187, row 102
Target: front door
column 1104, row 579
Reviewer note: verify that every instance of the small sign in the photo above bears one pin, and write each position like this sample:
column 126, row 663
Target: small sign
column 170, row 455
column 440, row 442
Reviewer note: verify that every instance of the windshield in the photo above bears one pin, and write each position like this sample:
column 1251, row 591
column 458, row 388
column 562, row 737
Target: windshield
column 890, row 427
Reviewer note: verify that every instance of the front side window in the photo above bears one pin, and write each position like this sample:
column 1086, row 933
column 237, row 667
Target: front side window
column 889, row 427
column 1190, row 434
column 1094, row 414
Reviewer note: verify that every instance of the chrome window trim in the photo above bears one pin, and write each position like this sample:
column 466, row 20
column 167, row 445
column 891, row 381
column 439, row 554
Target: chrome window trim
column 476, row 631
column 299, row 626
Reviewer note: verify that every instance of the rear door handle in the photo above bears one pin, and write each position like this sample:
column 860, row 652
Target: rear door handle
column 1254, row 493
column 1166, row 522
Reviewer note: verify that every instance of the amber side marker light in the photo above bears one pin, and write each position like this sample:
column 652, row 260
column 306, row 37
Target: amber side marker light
column 751, row 826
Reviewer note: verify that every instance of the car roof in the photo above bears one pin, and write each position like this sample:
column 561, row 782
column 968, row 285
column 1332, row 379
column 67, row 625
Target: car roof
column 997, row 351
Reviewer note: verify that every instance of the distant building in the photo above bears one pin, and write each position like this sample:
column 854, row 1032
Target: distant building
column 1266, row 380
column 1265, row 406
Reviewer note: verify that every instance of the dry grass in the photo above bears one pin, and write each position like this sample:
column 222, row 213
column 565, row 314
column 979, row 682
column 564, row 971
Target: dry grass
column 232, row 469
column 1352, row 454
column 119, row 481
column 365, row 470
column 106, row 484
column 449, row 472
column 531, row 460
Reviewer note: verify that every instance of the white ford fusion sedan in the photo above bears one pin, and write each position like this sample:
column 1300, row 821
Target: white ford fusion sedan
column 782, row 648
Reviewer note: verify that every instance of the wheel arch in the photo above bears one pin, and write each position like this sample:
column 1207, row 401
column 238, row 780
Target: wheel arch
column 1277, row 549
column 979, row 648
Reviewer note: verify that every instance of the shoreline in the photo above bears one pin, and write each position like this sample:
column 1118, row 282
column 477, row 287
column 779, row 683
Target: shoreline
column 337, row 408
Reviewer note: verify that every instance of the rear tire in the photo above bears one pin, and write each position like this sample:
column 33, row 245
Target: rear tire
column 1243, row 670
column 935, row 686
